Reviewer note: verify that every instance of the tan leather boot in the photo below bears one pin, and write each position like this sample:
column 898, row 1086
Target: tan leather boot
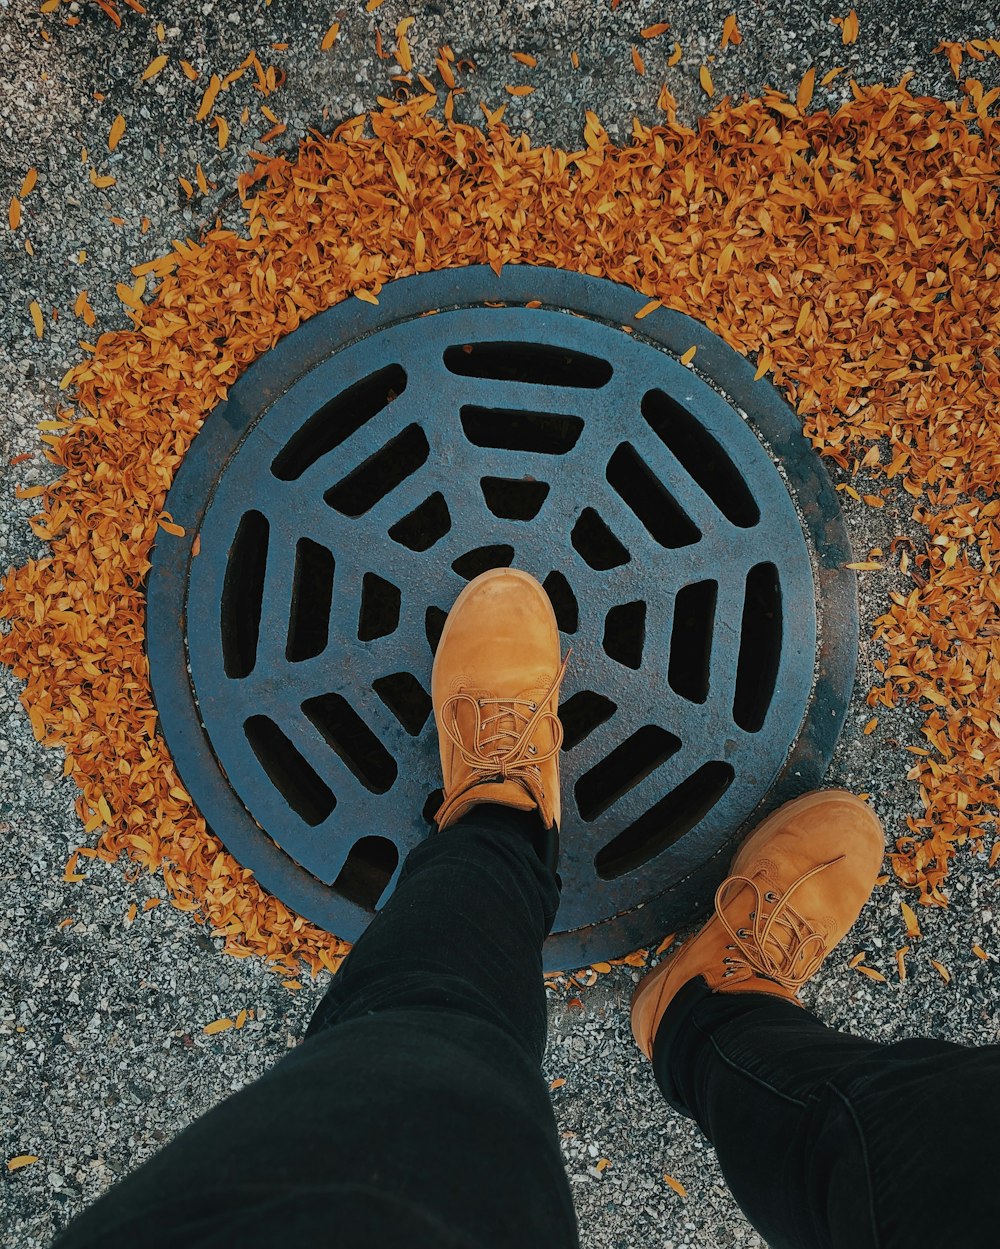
column 495, row 689
column 795, row 887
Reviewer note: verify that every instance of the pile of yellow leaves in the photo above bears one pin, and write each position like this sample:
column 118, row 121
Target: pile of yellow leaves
column 854, row 253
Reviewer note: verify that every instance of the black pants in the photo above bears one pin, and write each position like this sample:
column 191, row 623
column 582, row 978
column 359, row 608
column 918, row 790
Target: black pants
column 414, row 1114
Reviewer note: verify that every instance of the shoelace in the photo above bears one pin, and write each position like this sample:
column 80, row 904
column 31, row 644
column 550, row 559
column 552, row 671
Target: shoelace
column 513, row 755
column 784, row 930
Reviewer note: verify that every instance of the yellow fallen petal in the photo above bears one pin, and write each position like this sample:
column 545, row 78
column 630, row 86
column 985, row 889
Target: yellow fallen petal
column 705, row 78
column 22, row 1160
column 154, row 67
column 688, row 356
column 646, row 309
column 36, row 318
column 676, row 1185
column 330, row 38
column 942, row 971
column 116, row 132
column 217, row 1025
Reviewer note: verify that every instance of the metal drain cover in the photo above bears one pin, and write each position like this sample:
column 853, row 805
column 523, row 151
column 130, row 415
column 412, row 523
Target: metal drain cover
column 366, row 468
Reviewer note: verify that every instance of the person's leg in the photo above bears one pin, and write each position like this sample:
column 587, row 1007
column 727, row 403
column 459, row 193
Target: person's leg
column 415, row 1112
column 828, row 1141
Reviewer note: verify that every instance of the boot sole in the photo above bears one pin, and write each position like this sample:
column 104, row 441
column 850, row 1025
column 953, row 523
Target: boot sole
column 744, row 856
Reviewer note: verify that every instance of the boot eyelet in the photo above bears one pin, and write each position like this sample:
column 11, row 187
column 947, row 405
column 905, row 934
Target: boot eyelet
column 532, row 707
column 533, row 750
column 744, row 933
column 753, row 914
column 770, row 897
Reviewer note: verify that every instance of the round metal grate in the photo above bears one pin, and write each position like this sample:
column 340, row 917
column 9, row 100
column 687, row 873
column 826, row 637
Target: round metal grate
column 366, row 468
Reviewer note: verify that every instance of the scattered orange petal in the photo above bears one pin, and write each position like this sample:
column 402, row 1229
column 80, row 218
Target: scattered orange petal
column 116, row 132
column 154, row 67
column 731, row 31
column 676, row 1185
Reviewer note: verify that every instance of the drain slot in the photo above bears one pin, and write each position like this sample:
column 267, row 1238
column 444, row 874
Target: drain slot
column 563, row 602
column 312, row 596
column 290, row 774
column 581, row 714
column 511, row 499
column 596, row 543
column 482, row 559
column 647, row 496
column 424, row 526
column 701, row 457
column 367, row 870
column 347, row 735
column 406, row 698
column 625, row 634
column 508, row 430
column 691, row 640
column 666, row 822
column 380, row 474
column 243, row 595
column 335, row 421
column 760, row 648
column 623, row 769
column 380, row 603
column 537, row 363
column 434, row 619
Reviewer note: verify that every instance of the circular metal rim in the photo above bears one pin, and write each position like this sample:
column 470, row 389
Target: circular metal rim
column 774, row 422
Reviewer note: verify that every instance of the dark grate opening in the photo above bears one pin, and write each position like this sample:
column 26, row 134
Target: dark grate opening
column 665, row 822
column 563, row 602
column 347, row 734
column 424, row 526
column 380, row 474
column 537, row 363
column 242, row 595
column 513, row 499
column 625, row 633
column 406, row 698
column 596, row 543
column 312, row 596
column 508, row 430
column 647, row 496
column 431, row 805
column 701, row 457
column 482, row 559
column 691, row 640
column 760, row 647
column 434, row 619
column 291, row 775
column 367, row 870
column 335, row 421
column 581, row 714
column 380, row 602
column 623, row 769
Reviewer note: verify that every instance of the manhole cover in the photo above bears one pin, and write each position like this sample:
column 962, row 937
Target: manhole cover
column 379, row 457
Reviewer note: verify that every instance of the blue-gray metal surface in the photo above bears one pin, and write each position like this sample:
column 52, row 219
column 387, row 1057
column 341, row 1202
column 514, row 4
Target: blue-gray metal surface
column 231, row 470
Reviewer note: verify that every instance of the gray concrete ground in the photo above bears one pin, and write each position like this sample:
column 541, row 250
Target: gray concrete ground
column 102, row 1054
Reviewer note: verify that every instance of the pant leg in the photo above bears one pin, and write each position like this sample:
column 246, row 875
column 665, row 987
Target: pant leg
column 829, row 1141
column 414, row 1114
